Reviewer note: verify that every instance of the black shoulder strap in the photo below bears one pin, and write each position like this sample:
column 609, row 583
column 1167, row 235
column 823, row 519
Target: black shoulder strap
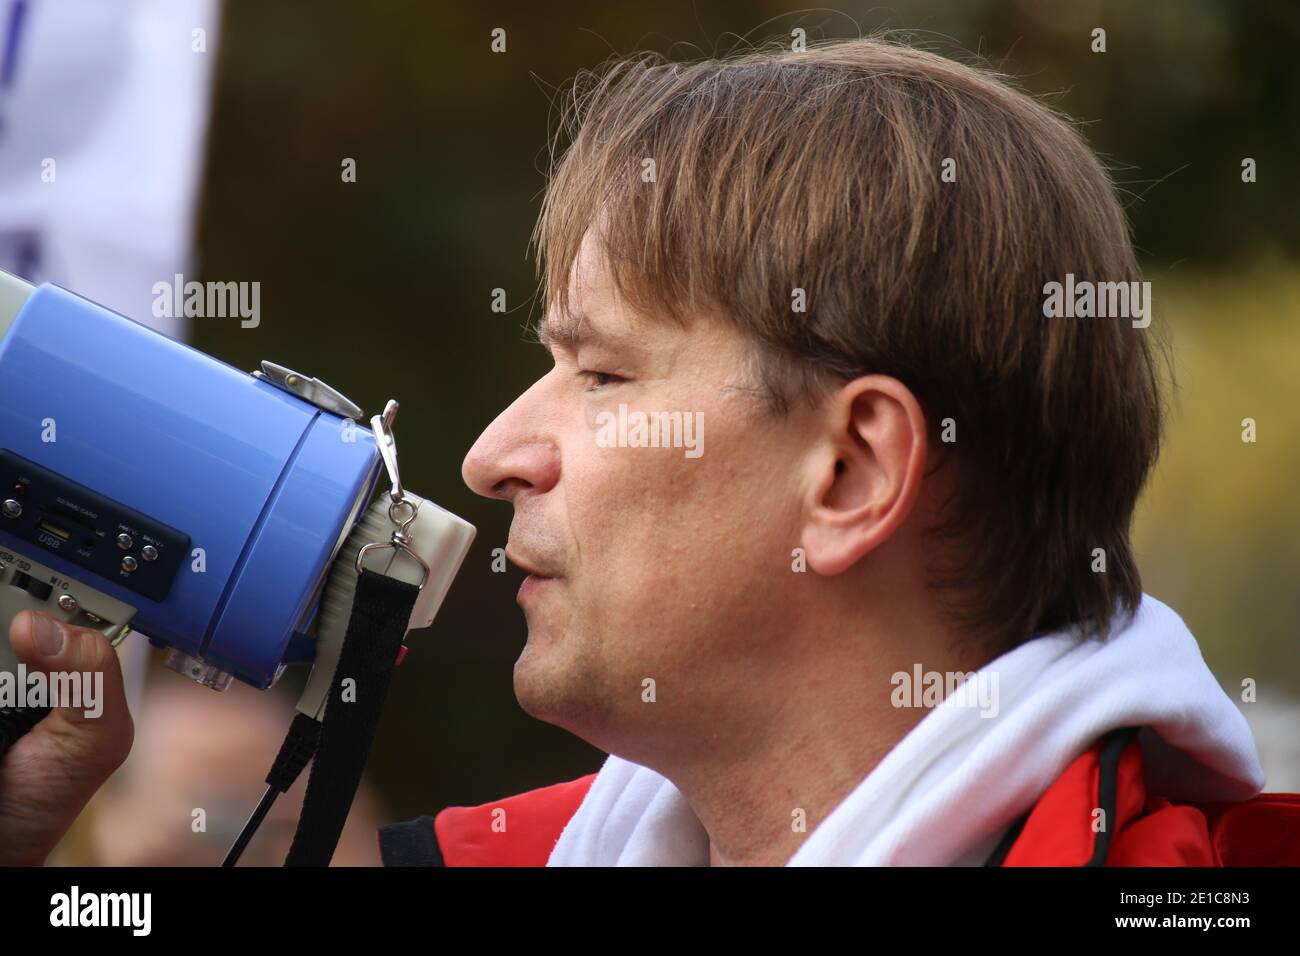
column 1107, row 779
column 1107, row 784
column 410, row 843
column 1008, row 840
column 381, row 613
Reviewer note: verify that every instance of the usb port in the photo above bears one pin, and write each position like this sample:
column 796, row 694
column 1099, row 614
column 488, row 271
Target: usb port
column 54, row 529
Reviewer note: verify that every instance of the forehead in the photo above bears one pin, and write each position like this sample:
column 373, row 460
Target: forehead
column 600, row 306
column 593, row 312
column 587, row 324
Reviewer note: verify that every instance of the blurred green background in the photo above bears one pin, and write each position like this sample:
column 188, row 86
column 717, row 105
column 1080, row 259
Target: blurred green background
column 383, row 287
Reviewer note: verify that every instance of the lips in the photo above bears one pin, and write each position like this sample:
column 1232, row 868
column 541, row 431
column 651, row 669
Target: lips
column 537, row 579
column 534, row 569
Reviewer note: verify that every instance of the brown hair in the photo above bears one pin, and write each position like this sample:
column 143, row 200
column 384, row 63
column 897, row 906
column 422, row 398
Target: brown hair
column 821, row 170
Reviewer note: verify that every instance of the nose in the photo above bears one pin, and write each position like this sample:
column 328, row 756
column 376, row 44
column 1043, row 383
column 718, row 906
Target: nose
column 518, row 452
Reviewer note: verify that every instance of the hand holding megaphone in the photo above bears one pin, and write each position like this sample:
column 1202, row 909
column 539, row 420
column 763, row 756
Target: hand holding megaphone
column 48, row 776
column 147, row 486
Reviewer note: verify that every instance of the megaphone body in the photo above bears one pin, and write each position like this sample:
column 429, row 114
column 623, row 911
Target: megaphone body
column 146, row 485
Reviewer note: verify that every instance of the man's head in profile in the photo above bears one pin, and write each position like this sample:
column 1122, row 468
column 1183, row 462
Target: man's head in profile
column 826, row 269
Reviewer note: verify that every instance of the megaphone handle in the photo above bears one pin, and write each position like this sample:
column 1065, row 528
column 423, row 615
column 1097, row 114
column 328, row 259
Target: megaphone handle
column 16, row 721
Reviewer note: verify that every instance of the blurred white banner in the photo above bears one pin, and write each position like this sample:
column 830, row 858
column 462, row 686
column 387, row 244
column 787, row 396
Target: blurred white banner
column 103, row 117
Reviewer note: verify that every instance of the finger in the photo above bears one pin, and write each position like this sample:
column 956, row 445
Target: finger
column 98, row 727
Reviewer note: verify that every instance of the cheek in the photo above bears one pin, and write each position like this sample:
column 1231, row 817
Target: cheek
column 618, row 503
column 652, row 518
column 675, row 512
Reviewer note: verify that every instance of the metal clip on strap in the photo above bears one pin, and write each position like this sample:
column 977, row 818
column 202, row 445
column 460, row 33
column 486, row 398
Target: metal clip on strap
column 382, row 425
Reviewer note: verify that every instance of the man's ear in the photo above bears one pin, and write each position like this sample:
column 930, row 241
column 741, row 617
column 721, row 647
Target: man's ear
column 865, row 471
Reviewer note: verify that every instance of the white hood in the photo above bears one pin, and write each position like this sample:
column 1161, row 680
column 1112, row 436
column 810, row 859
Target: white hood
column 948, row 789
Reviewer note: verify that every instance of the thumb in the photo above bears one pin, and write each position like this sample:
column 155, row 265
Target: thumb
column 94, row 727
column 49, row 775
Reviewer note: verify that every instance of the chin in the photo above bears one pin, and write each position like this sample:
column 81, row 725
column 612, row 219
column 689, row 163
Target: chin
column 535, row 681
column 555, row 689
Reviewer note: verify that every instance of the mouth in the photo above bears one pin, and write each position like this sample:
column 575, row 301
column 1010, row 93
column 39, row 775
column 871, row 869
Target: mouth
column 533, row 570
column 532, row 584
column 536, row 580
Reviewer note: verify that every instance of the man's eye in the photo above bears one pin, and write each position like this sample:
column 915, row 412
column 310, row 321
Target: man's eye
column 598, row 380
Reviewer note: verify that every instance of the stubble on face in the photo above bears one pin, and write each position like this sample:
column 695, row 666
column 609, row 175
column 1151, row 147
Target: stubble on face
column 665, row 560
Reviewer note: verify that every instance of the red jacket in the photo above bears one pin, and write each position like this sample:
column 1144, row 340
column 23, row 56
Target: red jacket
column 1058, row 831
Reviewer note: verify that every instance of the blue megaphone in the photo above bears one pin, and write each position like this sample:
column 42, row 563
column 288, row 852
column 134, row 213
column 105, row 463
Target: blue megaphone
column 147, row 486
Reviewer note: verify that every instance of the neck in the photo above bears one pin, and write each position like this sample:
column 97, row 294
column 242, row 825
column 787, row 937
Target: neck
column 787, row 746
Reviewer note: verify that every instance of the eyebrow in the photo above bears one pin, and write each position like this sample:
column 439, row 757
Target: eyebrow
column 570, row 331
